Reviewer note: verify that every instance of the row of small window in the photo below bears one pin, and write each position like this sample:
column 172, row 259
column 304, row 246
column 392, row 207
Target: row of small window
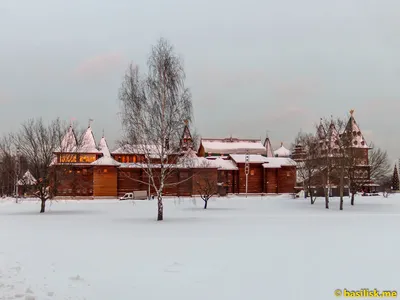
column 126, row 158
column 77, row 192
column 83, row 171
column 73, row 158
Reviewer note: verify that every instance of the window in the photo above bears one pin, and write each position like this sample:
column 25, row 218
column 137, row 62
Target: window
column 87, row 158
column 105, row 170
column 67, row 158
column 251, row 172
column 84, row 171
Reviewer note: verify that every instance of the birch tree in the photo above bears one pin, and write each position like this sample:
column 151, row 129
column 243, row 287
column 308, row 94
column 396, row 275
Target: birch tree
column 154, row 107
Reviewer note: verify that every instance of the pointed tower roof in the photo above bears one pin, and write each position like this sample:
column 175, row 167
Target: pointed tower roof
column 186, row 132
column 282, row 152
column 88, row 143
column 103, row 147
column 332, row 136
column 27, row 179
column 352, row 128
column 69, row 141
column 186, row 141
column 268, row 147
column 321, row 133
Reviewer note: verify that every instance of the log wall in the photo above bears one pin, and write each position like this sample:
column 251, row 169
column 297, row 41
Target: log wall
column 255, row 179
column 271, row 181
column 105, row 181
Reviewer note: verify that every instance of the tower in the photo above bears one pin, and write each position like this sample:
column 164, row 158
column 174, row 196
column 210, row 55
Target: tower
column 268, row 147
column 186, row 142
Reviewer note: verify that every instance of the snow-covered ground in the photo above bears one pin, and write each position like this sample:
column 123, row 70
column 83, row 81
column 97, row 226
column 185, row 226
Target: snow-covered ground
column 254, row 248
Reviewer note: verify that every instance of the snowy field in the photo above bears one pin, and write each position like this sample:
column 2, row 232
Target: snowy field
column 254, row 248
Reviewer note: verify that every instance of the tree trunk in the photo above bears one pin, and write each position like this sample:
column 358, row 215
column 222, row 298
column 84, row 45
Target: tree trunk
column 311, row 194
column 326, row 198
column 341, row 188
column 352, row 198
column 160, row 215
column 43, row 206
column 205, row 204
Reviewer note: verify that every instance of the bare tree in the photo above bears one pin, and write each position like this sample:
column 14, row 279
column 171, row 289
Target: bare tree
column 325, row 162
column 8, row 165
column 37, row 142
column 207, row 188
column 307, row 168
column 154, row 108
column 378, row 169
column 340, row 144
column 379, row 164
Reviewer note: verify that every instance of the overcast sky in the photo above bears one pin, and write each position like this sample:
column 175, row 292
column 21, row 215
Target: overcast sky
column 252, row 66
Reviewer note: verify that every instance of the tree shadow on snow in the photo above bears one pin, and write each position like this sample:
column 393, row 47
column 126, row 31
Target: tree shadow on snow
column 147, row 221
column 213, row 209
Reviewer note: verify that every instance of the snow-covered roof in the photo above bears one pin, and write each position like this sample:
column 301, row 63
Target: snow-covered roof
column 213, row 157
column 105, row 161
column 278, row 162
column 225, row 164
column 69, row 141
column 268, row 147
column 282, row 152
column 233, row 146
column 186, row 132
column 268, row 162
column 145, row 166
column 53, row 160
column 199, row 162
column 137, row 149
column 103, row 147
column 189, row 153
column 253, row 158
column 332, row 137
column 88, row 143
column 27, row 179
column 352, row 127
column 191, row 160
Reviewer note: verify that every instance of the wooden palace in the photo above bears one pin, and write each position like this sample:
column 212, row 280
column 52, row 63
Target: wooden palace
column 347, row 148
column 88, row 169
